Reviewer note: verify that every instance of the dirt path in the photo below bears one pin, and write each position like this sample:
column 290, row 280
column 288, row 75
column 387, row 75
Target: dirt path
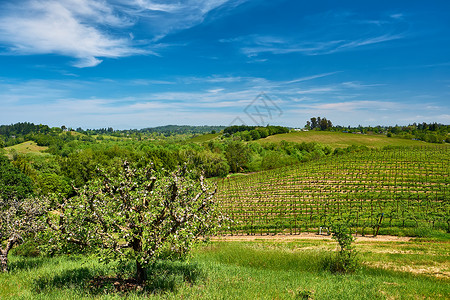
column 306, row 235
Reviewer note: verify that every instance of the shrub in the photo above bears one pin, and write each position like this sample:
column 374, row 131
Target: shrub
column 345, row 260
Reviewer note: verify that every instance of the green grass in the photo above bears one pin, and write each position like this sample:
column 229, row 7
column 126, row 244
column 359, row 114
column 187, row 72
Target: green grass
column 29, row 147
column 341, row 140
column 247, row 270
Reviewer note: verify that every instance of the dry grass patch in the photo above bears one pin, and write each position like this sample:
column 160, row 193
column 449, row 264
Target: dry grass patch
column 25, row 148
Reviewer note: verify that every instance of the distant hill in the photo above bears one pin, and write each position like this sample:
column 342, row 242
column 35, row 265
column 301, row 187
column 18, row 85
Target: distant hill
column 182, row 129
column 22, row 129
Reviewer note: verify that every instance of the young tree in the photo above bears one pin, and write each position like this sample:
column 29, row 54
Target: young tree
column 137, row 214
column 18, row 219
column 346, row 260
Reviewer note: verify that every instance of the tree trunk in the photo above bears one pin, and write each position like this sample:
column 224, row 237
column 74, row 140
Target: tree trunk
column 4, row 252
column 141, row 273
column 4, row 260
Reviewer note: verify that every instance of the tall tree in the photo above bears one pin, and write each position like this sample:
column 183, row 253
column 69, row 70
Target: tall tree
column 238, row 155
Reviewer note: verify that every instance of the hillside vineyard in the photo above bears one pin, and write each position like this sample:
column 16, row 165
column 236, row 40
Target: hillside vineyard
column 378, row 190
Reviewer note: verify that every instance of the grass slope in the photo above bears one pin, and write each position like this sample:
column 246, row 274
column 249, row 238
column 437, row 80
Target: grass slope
column 29, row 147
column 341, row 140
column 248, row 270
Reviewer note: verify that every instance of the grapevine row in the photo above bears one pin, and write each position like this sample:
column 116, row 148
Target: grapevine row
column 392, row 188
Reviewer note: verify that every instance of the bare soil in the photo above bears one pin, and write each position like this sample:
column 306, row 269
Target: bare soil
column 307, row 235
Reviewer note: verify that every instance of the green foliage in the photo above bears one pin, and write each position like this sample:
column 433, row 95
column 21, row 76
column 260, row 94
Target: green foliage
column 346, row 259
column 181, row 129
column 430, row 133
column 13, row 183
column 249, row 133
column 212, row 164
column 319, row 124
column 50, row 183
column 238, row 155
column 28, row 249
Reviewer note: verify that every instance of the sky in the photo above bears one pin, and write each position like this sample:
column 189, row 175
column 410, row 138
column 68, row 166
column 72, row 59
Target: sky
column 142, row 63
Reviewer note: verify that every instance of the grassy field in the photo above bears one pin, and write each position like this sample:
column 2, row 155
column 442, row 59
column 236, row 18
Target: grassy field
column 341, row 140
column 260, row 269
column 29, row 147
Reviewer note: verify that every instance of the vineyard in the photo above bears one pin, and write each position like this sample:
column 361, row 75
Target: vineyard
column 377, row 190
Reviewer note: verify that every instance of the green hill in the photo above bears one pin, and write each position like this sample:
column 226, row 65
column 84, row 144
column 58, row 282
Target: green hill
column 341, row 140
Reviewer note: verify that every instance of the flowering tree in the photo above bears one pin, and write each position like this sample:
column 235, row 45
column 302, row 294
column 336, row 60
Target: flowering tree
column 19, row 216
column 18, row 219
column 138, row 214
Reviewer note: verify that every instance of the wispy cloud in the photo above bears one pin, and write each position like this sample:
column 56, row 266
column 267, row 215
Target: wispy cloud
column 164, row 17
column 353, row 106
column 89, row 30
column 252, row 48
column 307, row 78
column 326, row 33
column 196, row 101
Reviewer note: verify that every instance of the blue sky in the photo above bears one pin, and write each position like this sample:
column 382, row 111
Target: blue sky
column 144, row 63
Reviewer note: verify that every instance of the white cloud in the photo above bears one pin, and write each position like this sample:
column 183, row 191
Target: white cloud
column 65, row 27
column 90, row 30
column 215, row 91
column 165, row 17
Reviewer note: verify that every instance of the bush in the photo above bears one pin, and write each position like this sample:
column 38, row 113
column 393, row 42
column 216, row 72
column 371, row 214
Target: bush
column 27, row 249
column 345, row 260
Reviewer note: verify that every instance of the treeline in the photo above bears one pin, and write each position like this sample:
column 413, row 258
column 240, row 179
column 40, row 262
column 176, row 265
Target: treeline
column 319, row 123
column 167, row 130
column 20, row 132
column 22, row 129
column 251, row 133
column 182, row 129
column 60, row 173
column 430, row 133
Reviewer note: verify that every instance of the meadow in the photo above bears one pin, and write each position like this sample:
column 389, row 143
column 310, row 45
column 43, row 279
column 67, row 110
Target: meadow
column 341, row 139
column 252, row 269
column 29, row 147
